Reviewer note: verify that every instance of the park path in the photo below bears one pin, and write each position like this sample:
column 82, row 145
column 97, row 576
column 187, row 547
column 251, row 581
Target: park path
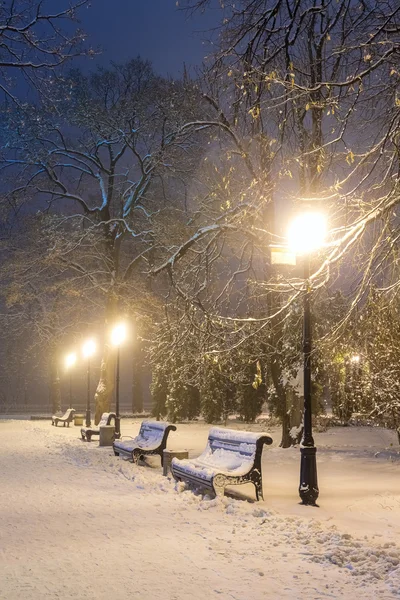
column 77, row 522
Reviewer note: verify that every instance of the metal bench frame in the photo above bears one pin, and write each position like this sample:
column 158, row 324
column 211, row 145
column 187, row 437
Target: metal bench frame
column 88, row 432
column 138, row 451
column 217, row 478
column 65, row 419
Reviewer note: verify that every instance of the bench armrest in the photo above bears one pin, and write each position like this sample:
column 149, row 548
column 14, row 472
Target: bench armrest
column 266, row 439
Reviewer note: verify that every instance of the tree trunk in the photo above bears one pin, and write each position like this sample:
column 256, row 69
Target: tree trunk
column 137, row 389
column 137, row 385
column 276, row 370
column 286, row 440
column 276, row 375
column 105, row 387
column 296, row 417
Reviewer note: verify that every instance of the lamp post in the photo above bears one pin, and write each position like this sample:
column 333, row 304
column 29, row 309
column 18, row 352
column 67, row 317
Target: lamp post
column 88, row 349
column 118, row 336
column 70, row 361
column 307, row 233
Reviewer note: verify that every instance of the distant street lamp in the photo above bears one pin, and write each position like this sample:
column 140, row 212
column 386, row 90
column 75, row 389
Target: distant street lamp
column 88, row 349
column 118, row 336
column 70, row 361
column 306, row 234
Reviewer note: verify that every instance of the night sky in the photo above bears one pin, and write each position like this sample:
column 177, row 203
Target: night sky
column 154, row 29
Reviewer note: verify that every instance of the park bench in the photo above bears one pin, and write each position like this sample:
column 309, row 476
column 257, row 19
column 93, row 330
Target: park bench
column 65, row 419
column 88, row 432
column 230, row 458
column 151, row 440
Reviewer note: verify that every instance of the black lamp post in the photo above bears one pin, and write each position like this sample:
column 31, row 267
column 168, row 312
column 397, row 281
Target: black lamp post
column 70, row 361
column 308, row 488
column 88, row 413
column 70, row 389
column 307, row 233
column 117, row 416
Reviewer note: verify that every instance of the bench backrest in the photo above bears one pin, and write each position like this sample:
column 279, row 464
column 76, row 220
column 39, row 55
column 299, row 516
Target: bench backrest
column 68, row 414
column 153, row 430
column 224, row 444
column 106, row 419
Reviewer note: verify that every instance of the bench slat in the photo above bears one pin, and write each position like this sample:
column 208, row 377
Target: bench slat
column 151, row 440
column 65, row 419
column 88, row 432
column 231, row 457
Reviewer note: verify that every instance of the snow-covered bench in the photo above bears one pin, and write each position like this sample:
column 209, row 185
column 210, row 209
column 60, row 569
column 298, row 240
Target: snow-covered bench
column 151, row 440
column 66, row 418
column 231, row 457
column 88, row 432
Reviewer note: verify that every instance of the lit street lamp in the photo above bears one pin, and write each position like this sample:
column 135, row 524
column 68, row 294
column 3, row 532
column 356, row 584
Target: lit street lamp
column 70, row 361
column 88, row 349
column 118, row 336
column 307, row 233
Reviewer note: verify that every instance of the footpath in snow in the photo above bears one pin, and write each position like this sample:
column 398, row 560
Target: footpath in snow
column 78, row 522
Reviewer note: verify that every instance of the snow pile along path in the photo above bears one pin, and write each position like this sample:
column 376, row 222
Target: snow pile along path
column 78, row 522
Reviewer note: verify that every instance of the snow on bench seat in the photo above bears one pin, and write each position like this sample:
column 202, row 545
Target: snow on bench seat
column 88, row 432
column 151, row 440
column 231, row 457
column 65, row 419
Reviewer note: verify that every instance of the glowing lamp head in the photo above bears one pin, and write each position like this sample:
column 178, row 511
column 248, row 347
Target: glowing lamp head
column 70, row 360
column 88, row 348
column 355, row 358
column 118, row 334
column 307, row 232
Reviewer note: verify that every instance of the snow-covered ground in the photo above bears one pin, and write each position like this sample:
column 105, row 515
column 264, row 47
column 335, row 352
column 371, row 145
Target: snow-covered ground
column 77, row 522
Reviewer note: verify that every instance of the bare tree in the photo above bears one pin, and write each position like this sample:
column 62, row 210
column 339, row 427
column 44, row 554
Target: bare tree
column 45, row 303
column 108, row 152
column 319, row 80
column 36, row 40
column 305, row 114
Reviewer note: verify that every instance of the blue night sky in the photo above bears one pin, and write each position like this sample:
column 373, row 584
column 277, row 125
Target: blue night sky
column 155, row 29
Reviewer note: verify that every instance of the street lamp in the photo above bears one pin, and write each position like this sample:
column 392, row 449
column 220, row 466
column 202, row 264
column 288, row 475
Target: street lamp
column 70, row 361
column 88, row 349
column 307, row 233
column 118, row 336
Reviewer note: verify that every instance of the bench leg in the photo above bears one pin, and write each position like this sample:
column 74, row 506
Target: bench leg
column 259, row 492
column 258, row 487
column 136, row 456
column 219, row 483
